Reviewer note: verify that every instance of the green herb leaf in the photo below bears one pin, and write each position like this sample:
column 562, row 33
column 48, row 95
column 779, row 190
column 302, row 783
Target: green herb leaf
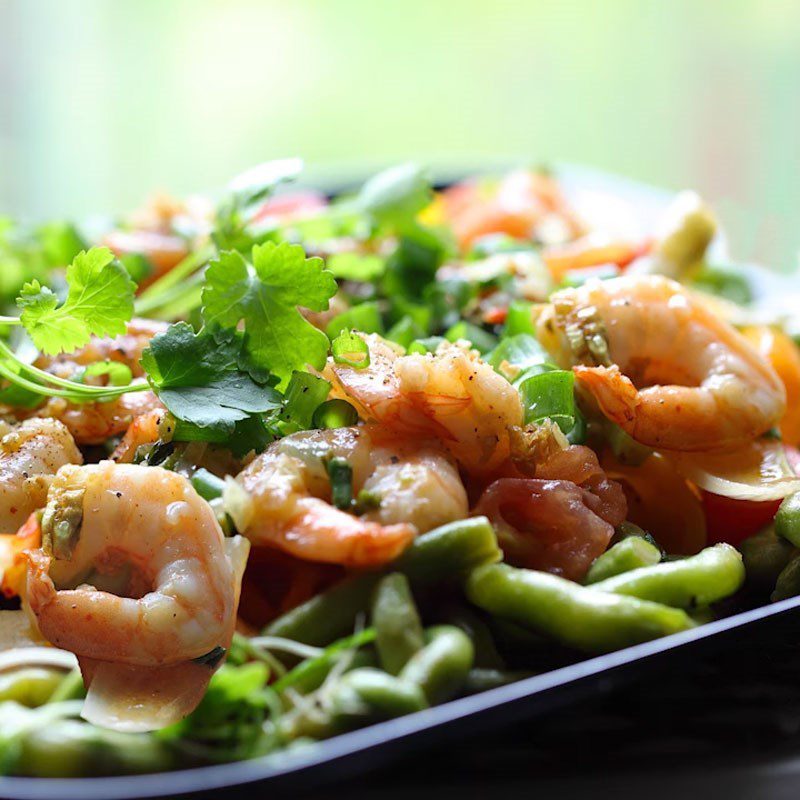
column 265, row 296
column 99, row 302
column 197, row 378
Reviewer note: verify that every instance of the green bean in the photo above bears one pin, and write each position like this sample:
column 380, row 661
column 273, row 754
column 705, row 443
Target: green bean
column 356, row 698
column 67, row 749
column 396, row 621
column 631, row 553
column 29, row 686
column 441, row 667
column 370, row 694
column 439, row 555
column 70, row 688
column 787, row 520
column 625, row 530
column 765, row 555
column 486, row 652
column 207, row 485
column 482, row 680
column 579, row 616
column 712, row 574
column 788, row 582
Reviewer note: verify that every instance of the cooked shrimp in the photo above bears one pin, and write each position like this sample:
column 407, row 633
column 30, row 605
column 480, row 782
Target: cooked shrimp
column 30, row 455
column 413, row 486
column 451, row 395
column 133, row 567
column 679, row 379
column 124, row 349
column 94, row 423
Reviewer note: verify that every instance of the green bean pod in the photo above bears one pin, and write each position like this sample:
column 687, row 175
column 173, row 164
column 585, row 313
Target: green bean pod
column 631, row 553
column 578, row 616
column 486, row 653
column 71, row 749
column 30, row 686
column 442, row 554
column 712, row 574
column 357, row 698
column 398, row 629
column 369, row 695
column 441, row 667
column 787, row 520
column 788, row 582
column 765, row 555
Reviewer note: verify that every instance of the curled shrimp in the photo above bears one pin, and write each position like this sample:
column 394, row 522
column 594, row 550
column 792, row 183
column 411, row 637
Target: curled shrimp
column 95, row 423
column 451, row 395
column 135, row 577
column 677, row 377
column 30, row 455
column 407, row 488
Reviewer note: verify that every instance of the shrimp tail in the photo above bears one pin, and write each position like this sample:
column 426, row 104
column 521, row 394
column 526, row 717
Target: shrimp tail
column 323, row 533
column 614, row 392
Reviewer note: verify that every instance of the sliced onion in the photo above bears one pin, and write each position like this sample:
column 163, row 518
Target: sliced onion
column 134, row 699
column 757, row 472
column 238, row 503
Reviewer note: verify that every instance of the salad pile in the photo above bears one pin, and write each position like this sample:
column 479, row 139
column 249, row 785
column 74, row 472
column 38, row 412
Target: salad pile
column 279, row 466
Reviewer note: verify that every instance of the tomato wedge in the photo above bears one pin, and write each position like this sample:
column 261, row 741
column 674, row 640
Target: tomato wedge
column 733, row 521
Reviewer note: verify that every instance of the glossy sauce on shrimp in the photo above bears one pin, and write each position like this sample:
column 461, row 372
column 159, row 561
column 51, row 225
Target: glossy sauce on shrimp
column 677, row 378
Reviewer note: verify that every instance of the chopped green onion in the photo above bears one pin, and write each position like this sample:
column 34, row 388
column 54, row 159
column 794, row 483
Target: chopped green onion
column 364, row 317
column 426, row 345
column 577, row 277
column 334, row 413
column 355, row 266
column 479, row 338
column 521, row 350
column 724, row 281
column 341, row 476
column 519, row 319
column 118, row 374
column 550, row 395
column 207, row 485
column 405, row 331
column 304, row 394
column 350, row 349
column 493, row 243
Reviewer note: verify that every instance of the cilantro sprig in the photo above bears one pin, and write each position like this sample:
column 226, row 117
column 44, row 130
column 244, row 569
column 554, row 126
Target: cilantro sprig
column 264, row 297
column 99, row 302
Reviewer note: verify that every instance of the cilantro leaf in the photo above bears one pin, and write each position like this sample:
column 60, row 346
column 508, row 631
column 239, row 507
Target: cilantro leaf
column 99, row 302
column 196, row 377
column 265, row 296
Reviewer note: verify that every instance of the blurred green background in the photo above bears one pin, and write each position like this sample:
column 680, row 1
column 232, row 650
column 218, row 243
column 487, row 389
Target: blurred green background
column 103, row 101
